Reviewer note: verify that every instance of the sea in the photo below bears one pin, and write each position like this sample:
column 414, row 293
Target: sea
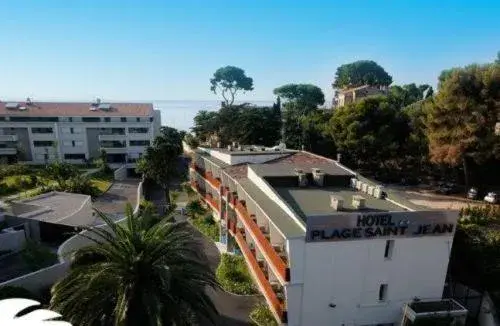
column 180, row 114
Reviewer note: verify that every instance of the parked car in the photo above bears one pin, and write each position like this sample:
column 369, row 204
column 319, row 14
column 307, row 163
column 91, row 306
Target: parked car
column 447, row 188
column 491, row 198
column 473, row 193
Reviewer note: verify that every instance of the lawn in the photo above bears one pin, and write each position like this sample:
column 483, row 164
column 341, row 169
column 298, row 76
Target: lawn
column 102, row 181
column 233, row 275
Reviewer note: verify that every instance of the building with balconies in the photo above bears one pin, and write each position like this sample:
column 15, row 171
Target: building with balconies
column 324, row 245
column 40, row 132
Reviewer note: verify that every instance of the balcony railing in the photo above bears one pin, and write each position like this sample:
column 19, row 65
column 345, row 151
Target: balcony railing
column 214, row 182
column 207, row 197
column 276, row 305
column 276, row 262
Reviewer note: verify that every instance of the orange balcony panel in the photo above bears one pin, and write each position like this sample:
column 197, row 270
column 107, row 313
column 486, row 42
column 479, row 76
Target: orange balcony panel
column 208, row 176
column 207, row 197
column 277, row 264
column 276, row 305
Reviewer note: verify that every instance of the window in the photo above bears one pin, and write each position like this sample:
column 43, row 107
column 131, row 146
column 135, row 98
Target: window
column 70, row 119
column 34, row 119
column 123, row 119
column 73, row 143
column 389, row 247
column 72, row 130
column 107, row 119
column 41, row 130
column 91, row 119
column 138, row 119
column 151, row 119
column 74, row 156
column 138, row 130
column 382, row 292
column 2, row 118
column 43, row 143
column 139, row 143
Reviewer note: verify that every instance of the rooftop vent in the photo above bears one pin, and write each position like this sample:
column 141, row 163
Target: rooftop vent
column 302, row 177
column 23, row 108
column 12, row 105
column 378, row 192
column 337, row 203
column 318, row 177
column 353, row 183
column 93, row 108
column 230, row 148
column 364, row 187
column 358, row 202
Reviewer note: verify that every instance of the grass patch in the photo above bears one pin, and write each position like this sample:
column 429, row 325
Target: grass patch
column 207, row 226
column 233, row 275
column 261, row 315
column 102, row 181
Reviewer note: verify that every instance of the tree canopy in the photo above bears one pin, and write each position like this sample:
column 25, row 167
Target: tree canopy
column 160, row 162
column 410, row 93
column 304, row 96
column 137, row 274
column 358, row 73
column 228, row 81
column 461, row 123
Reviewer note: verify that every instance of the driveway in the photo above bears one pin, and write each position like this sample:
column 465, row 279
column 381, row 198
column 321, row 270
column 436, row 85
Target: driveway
column 233, row 309
column 113, row 201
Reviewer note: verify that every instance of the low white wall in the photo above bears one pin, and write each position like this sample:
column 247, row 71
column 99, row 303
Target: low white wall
column 487, row 312
column 120, row 173
column 13, row 241
column 40, row 279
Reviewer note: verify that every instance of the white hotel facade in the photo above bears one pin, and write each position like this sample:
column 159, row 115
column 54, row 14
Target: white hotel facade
column 40, row 132
column 324, row 245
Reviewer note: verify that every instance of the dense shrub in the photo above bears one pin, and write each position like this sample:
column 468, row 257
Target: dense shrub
column 7, row 170
column 233, row 275
column 36, row 256
column 480, row 215
column 207, row 226
column 262, row 316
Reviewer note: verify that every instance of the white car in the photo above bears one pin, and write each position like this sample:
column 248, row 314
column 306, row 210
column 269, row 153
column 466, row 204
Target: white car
column 491, row 198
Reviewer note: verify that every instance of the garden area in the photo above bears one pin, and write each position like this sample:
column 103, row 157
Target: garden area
column 202, row 220
column 233, row 275
column 19, row 181
column 261, row 315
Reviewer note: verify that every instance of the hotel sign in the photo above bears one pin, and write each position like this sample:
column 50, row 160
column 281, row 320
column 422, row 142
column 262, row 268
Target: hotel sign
column 356, row 226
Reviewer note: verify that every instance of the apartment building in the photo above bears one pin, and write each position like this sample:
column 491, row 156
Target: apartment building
column 352, row 95
column 324, row 245
column 40, row 132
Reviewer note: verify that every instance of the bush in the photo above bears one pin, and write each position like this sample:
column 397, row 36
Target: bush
column 207, row 226
column 36, row 256
column 7, row 170
column 233, row 275
column 8, row 292
column 262, row 316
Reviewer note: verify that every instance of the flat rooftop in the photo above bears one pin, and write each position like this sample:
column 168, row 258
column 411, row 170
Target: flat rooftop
column 316, row 201
column 288, row 169
column 52, row 207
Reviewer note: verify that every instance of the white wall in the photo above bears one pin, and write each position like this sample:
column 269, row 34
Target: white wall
column 13, row 241
column 487, row 312
column 349, row 273
column 40, row 279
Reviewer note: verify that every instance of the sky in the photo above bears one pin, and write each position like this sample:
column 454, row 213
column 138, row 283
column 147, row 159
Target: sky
column 168, row 50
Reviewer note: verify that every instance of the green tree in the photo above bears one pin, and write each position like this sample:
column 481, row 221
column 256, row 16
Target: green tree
column 461, row 123
column 160, row 163
column 301, row 100
column 315, row 130
column 191, row 141
column 137, row 274
column 305, row 97
column 60, row 172
column 206, row 123
column 358, row 73
column 194, row 209
column 370, row 133
column 410, row 93
column 228, row 81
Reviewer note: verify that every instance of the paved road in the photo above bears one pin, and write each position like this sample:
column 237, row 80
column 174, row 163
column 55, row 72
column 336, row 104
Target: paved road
column 114, row 200
column 233, row 310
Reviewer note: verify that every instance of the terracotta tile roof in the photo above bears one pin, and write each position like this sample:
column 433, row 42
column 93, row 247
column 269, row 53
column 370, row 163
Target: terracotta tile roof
column 238, row 171
column 54, row 109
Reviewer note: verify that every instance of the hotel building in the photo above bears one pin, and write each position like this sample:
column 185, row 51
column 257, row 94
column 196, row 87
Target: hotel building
column 40, row 132
column 324, row 245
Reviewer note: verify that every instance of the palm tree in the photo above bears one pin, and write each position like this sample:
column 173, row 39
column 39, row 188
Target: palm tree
column 137, row 274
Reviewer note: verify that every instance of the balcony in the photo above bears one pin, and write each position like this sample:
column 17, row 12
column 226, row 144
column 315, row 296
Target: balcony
column 207, row 197
column 277, row 259
column 8, row 137
column 277, row 305
column 8, row 151
column 444, row 309
column 214, row 182
column 111, row 137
